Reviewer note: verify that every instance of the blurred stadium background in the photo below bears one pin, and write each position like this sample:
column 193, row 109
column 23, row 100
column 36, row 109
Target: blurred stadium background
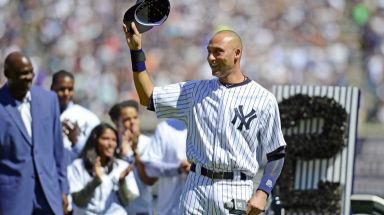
column 311, row 42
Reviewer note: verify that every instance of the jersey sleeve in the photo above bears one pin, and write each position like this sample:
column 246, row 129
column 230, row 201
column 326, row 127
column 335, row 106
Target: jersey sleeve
column 154, row 155
column 75, row 177
column 91, row 121
column 173, row 101
column 132, row 189
column 155, row 150
column 271, row 135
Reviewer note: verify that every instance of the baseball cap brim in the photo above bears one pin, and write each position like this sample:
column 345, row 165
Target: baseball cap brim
column 147, row 13
column 129, row 17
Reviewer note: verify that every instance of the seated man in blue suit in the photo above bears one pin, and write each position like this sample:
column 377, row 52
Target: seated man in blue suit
column 32, row 158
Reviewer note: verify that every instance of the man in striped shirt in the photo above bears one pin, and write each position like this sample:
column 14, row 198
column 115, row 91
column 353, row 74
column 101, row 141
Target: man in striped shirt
column 229, row 119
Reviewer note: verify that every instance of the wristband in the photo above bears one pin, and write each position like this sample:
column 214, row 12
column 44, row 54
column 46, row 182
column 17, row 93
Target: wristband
column 267, row 183
column 138, row 67
column 137, row 56
column 138, row 60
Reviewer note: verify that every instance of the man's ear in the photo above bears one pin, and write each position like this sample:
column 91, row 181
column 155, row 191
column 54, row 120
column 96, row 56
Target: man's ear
column 237, row 55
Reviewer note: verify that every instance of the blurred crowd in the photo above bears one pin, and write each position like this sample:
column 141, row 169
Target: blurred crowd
column 311, row 42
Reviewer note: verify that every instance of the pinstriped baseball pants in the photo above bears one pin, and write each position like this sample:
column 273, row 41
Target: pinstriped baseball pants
column 205, row 196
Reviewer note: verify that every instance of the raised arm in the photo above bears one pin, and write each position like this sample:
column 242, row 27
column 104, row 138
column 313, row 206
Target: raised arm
column 143, row 83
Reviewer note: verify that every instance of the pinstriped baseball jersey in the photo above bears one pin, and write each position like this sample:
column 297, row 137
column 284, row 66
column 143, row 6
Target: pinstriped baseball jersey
column 225, row 125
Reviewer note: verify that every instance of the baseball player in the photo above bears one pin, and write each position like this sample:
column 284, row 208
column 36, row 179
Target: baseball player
column 166, row 163
column 228, row 119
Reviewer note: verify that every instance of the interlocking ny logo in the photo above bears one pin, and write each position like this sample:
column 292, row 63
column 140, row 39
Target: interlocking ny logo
column 244, row 120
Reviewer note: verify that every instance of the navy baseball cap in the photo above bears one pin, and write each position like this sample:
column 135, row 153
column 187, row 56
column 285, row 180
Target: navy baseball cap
column 147, row 13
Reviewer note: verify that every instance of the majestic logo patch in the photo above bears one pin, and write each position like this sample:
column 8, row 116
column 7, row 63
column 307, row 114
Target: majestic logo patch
column 245, row 120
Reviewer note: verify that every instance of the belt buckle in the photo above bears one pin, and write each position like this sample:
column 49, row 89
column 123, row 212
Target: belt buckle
column 222, row 175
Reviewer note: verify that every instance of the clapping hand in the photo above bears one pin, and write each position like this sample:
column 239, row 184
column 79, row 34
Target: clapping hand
column 135, row 135
column 98, row 169
column 71, row 130
column 126, row 142
column 124, row 173
column 130, row 138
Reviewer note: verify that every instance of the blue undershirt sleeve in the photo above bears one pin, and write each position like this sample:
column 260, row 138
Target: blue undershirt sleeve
column 272, row 170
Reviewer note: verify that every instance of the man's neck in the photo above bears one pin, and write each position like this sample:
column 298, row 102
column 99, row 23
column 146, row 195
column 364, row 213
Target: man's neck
column 65, row 107
column 233, row 79
column 62, row 108
column 16, row 93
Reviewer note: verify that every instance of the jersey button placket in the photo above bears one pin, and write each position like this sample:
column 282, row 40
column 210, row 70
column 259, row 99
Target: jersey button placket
column 217, row 131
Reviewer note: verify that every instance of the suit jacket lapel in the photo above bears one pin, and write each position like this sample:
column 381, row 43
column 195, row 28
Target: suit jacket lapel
column 40, row 113
column 11, row 107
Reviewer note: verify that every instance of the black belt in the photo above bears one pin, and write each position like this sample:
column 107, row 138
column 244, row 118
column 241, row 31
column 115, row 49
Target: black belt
column 218, row 175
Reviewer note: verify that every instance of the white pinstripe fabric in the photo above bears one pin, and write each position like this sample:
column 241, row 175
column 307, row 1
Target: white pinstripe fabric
column 208, row 109
column 204, row 196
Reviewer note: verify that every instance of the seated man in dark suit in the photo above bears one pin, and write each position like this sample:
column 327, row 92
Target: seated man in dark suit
column 32, row 158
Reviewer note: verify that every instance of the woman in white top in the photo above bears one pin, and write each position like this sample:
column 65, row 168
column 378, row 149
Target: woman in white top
column 99, row 182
